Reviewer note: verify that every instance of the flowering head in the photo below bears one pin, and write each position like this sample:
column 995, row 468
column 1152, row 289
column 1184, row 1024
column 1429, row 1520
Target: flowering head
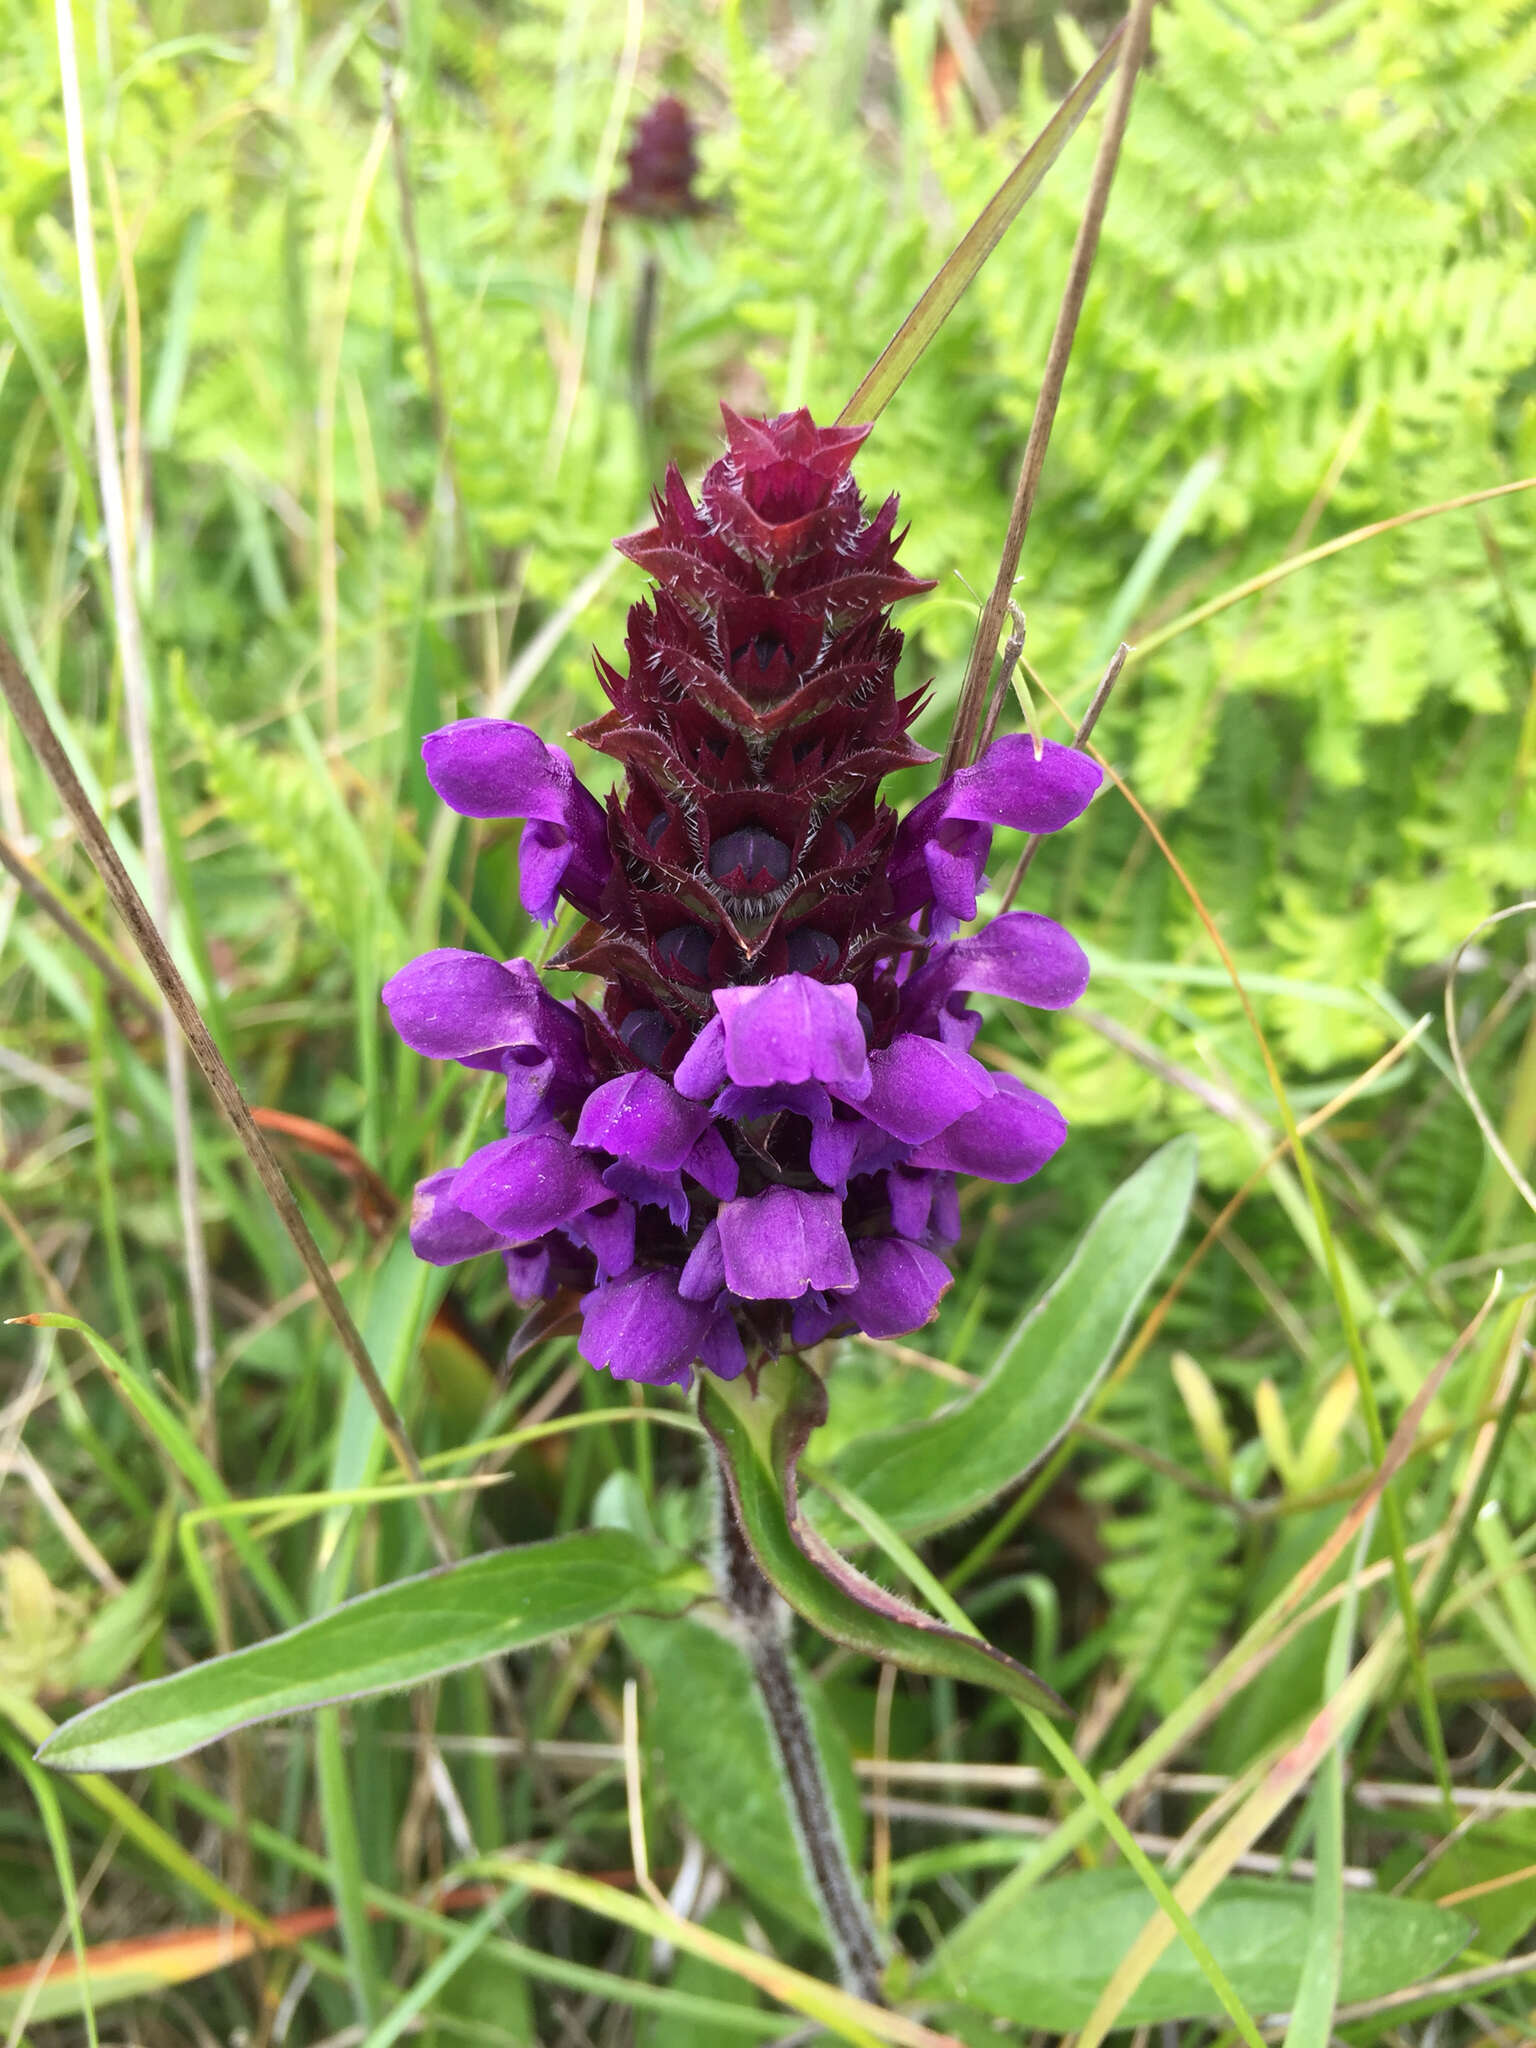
column 662, row 164
column 754, row 1141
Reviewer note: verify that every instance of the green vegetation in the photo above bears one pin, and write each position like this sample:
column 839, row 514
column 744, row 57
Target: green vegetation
column 1313, row 311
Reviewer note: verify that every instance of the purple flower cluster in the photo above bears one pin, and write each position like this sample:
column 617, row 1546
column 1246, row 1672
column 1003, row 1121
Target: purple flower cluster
column 755, row 1142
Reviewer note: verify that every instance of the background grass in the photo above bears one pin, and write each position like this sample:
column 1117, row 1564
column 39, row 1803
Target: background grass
column 1313, row 310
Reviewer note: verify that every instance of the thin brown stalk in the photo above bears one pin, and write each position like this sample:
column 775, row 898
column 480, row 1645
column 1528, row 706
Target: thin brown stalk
column 136, row 696
column 129, row 905
column 973, row 690
column 1438, row 1991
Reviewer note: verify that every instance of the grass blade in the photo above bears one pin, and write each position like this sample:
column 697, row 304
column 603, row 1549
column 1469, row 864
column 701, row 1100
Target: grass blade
column 906, row 346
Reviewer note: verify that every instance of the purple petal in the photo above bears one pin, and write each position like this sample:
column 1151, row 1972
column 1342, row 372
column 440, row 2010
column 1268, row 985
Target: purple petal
column 441, row 1232
column 712, row 1166
column 453, row 1005
column 531, row 1269
column 921, row 1087
column 944, row 1217
column 937, row 859
column 795, row 1029
column 1022, row 955
column 899, row 1286
column 802, row 1098
column 955, row 859
column 815, row 1317
column 543, row 856
column 722, row 1350
column 834, row 1147
column 639, row 1117
column 910, row 1194
column 523, row 1187
column 493, row 768
column 1009, row 786
column 703, row 1276
column 701, row 1070
column 638, row 1184
column 608, row 1232
column 777, row 1244
column 1008, row 1138
column 942, row 844
column 639, row 1328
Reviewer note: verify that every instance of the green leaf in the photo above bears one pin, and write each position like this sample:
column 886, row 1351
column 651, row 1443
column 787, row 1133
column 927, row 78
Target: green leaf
column 925, row 1475
column 760, row 1437
column 1047, row 1966
column 399, row 1636
column 707, row 1721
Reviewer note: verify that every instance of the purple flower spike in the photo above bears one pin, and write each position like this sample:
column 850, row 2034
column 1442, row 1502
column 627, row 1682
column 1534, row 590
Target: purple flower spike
column 493, row 768
column 753, row 1140
column 775, row 1245
column 795, row 1029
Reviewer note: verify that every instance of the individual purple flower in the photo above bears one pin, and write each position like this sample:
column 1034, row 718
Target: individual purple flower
column 943, row 842
column 755, row 1141
column 492, row 768
column 640, row 1328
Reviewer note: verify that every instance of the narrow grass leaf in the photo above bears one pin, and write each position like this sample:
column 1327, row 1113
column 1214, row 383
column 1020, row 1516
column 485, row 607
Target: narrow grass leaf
column 166, row 1429
column 1322, row 1963
column 140, row 1966
column 959, row 268
column 849, row 2018
column 28, row 2001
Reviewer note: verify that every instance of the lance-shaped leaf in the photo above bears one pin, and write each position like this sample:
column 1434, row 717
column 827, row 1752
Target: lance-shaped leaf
column 1046, row 1965
column 927, row 1474
column 760, row 1437
column 399, row 1636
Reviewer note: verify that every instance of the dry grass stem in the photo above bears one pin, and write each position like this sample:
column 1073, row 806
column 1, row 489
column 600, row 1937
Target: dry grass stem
column 136, row 699
column 973, row 689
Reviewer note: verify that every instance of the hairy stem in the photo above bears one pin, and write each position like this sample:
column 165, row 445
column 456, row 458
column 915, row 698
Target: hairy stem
column 759, row 1617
